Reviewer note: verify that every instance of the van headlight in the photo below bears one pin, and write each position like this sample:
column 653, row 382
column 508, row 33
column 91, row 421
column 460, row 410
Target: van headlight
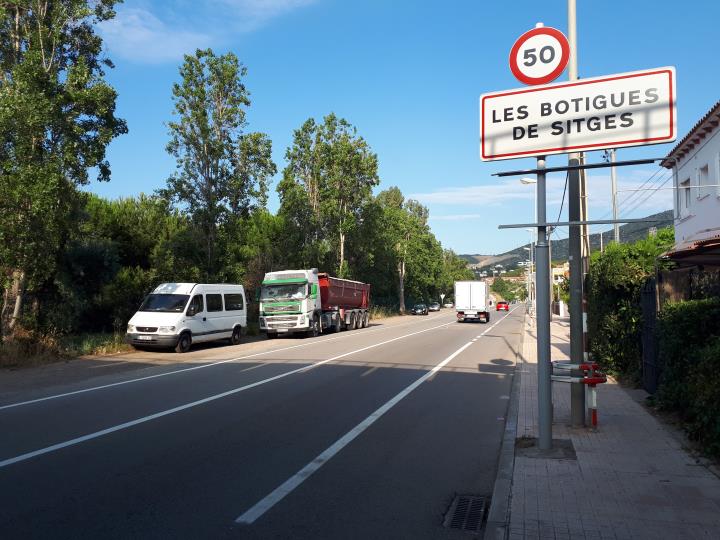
column 166, row 329
column 131, row 328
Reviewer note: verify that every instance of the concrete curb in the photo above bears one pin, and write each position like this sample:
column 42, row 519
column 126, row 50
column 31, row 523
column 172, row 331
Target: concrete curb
column 499, row 513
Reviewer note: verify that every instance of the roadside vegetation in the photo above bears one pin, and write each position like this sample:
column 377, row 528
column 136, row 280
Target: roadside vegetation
column 687, row 334
column 509, row 290
column 75, row 266
column 614, row 283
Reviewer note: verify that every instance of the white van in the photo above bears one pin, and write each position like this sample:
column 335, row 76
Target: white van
column 176, row 315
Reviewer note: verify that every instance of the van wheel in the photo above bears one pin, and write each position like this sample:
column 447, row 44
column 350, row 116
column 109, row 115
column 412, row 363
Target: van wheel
column 184, row 343
column 236, row 336
column 271, row 335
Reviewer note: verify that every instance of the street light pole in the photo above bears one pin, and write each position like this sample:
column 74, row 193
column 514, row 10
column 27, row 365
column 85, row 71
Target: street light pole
column 533, row 232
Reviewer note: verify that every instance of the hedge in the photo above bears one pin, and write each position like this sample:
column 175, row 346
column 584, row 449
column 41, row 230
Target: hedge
column 684, row 328
column 614, row 284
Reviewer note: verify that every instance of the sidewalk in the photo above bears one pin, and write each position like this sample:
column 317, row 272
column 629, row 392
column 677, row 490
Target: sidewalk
column 631, row 478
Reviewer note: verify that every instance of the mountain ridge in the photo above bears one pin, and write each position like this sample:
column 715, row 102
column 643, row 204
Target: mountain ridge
column 630, row 232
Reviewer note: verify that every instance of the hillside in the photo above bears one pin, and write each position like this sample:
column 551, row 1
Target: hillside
column 629, row 232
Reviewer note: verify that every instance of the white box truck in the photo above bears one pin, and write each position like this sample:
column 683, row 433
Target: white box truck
column 472, row 301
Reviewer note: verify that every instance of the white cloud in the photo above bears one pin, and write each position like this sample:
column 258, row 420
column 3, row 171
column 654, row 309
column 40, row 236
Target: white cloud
column 457, row 217
column 148, row 33
column 503, row 191
column 136, row 34
column 254, row 13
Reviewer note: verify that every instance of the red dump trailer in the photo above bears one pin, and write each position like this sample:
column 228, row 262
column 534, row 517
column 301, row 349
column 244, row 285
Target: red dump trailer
column 350, row 299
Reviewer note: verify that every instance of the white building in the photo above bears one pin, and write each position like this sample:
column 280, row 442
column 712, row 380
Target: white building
column 695, row 162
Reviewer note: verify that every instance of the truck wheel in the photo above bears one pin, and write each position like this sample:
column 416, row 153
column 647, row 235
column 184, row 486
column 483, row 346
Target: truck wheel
column 337, row 326
column 366, row 320
column 314, row 327
column 236, row 336
column 184, row 343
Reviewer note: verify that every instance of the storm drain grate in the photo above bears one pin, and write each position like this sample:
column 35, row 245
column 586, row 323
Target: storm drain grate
column 466, row 513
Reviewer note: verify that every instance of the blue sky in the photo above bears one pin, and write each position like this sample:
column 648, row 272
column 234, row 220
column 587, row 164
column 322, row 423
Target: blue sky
column 408, row 74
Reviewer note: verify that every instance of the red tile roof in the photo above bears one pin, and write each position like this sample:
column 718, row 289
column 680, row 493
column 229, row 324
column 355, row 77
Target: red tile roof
column 699, row 131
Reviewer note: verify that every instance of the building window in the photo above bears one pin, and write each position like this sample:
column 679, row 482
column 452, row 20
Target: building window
column 704, row 181
column 684, row 198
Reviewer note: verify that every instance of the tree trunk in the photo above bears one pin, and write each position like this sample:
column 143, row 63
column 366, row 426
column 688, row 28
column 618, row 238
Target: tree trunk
column 13, row 302
column 401, row 288
column 342, row 253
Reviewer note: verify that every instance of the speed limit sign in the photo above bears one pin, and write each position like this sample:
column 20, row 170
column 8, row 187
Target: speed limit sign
column 539, row 56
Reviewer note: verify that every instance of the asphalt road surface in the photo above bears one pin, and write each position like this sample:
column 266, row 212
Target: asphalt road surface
column 364, row 434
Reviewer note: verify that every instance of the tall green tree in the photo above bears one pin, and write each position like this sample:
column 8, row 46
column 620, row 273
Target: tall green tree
column 329, row 177
column 222, row 171
column 405, row 230
column 57, row 116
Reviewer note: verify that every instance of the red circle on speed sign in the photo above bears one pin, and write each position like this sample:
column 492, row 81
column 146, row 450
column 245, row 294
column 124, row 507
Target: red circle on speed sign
column 539, row 56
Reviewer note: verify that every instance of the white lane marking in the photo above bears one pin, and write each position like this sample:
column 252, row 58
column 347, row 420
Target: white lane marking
column 287, row 487
column 184, row 370
column 95, row 435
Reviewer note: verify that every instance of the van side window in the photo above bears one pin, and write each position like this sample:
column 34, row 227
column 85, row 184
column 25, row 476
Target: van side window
column 234, row 302
column 214, row 302
column 196, row 304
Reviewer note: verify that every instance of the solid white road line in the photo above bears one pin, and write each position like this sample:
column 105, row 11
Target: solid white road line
column 287, row 487
column 184, row 370
column 95, row 435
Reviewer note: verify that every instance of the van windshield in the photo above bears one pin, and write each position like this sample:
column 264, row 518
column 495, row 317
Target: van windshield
column 166, row 303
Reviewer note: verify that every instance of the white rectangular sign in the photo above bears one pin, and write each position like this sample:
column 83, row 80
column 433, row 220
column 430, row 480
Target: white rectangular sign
column 628, row 109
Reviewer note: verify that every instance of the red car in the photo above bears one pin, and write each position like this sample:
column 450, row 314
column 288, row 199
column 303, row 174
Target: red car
column 502, row 305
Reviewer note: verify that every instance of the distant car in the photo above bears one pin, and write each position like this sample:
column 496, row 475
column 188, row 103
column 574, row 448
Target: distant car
column 502, row 304
column 448, row 304
column 419, row 309
column 434, row 307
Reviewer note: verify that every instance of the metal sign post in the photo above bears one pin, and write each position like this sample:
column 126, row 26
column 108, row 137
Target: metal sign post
column 614, row 111
column 542, row 291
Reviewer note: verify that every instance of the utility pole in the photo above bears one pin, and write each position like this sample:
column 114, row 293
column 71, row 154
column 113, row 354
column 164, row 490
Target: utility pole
column 575, row 248
column 613, row 181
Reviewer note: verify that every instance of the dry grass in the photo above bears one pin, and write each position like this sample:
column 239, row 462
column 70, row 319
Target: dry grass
column 28, row 349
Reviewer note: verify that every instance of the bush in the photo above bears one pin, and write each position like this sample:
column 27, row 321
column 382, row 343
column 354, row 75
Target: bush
column 683, row 328
column 615, row 281
column 703, row 385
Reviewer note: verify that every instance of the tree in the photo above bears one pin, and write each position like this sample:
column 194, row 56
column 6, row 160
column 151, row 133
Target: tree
column 405, row 229
column 57, row 116
column 222, row 172
column 329, row 177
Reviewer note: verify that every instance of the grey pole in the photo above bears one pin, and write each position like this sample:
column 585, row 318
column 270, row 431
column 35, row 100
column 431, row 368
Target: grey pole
column 542, row 296
column 613, row 181
column 577, row 392
column 577, row 347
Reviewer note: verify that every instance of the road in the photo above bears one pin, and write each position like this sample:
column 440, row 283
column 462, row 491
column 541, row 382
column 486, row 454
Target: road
column 364, row 434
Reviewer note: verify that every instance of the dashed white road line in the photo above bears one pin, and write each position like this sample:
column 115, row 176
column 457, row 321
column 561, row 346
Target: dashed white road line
column 125, row 425
column 193, row 368
column 287, row 487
